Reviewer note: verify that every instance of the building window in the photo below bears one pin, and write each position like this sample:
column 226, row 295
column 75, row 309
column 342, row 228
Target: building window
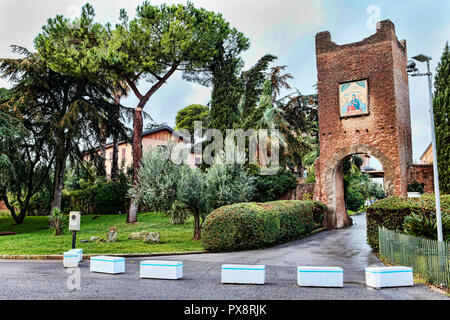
column 123, row 156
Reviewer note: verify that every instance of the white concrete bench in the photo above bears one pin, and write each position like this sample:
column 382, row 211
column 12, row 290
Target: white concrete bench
column 157, row 269
column 243, row 274
column 70, row 259
column 320, row 277
column 384, row 277
column 79, row 252
column 106, row 264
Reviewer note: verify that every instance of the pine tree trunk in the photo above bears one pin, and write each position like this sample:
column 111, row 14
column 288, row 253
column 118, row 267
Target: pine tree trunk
column 137, row 156
column 102, row 165
column 115, row 159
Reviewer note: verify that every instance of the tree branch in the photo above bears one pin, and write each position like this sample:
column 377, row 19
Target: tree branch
column 133, row 87
column 158, row 85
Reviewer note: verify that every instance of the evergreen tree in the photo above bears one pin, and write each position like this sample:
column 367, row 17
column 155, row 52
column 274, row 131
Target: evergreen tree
column 66, row 114
column 441, row 108
column 227, row 86
column 159, row 41
column 187, row 116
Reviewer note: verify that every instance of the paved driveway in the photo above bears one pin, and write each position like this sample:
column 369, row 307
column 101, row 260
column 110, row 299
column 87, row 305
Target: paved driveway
column 345, row 248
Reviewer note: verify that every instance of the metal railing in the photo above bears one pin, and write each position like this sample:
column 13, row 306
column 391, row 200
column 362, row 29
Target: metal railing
column 428, row 258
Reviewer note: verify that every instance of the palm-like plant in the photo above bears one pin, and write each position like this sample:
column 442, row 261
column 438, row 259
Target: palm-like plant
column 57, row 221
column 278, row 80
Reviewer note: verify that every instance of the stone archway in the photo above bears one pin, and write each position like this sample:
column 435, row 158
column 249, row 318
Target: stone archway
column 337, row 216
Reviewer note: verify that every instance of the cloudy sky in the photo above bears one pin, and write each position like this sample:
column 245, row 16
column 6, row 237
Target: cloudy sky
column 285, row 28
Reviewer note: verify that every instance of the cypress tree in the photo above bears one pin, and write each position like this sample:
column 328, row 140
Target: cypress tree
column 441, row 106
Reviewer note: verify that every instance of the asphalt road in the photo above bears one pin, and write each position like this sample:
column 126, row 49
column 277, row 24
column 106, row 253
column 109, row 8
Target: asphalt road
column 345, row 248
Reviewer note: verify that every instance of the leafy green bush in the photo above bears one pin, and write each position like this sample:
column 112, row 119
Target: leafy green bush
column 415, row 187
column 270, row 188
column 389, row 213
column 228, row 184
column 240, row 226
column 256, row 225
column 103, row 197
column 423, row 226
column 158, row 180
column 296, row 218
column 423, row 222
column 392, row 212
column 354, row 198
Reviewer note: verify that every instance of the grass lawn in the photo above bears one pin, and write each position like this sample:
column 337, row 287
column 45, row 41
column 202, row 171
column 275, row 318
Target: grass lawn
column 351, row 212
column 34, row 236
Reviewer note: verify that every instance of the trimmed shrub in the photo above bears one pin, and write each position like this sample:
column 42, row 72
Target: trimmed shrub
column 240, row 226
column 391, row 213
column 257, row 225
column 296, row 217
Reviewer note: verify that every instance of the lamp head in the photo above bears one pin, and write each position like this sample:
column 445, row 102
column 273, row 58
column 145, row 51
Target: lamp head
column 410, row 64
column 422, row 58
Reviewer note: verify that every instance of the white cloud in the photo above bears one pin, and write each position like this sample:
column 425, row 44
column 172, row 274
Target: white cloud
column 273, row 27
column 197, row 94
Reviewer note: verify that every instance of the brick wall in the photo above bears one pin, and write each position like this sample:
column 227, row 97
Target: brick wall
column 384, row 133
column 422, row 173
column 304, row 191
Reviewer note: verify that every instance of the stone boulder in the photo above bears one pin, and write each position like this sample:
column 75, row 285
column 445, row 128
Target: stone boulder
column 153, row 237
column 138, row 235
column 111, row 236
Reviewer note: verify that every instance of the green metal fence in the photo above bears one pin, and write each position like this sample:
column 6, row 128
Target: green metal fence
column 428, row 258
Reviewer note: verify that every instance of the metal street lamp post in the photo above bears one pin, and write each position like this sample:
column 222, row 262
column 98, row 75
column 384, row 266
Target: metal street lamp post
column 413, row 71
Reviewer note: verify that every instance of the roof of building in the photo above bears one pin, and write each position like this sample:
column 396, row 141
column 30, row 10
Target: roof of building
column 154, row 130
column 164, row 127
column 426, row 150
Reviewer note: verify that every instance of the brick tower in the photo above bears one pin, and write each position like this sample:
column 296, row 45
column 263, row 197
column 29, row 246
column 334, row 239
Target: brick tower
column 363, row 109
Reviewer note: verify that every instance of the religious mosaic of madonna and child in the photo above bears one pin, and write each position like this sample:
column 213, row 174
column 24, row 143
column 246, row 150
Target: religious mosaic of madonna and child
column 353, row 98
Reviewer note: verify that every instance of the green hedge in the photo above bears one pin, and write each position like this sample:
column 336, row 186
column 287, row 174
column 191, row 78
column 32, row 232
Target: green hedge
column 257, row 225
column 100, row 198
column 296, row 217
column 391, row 212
